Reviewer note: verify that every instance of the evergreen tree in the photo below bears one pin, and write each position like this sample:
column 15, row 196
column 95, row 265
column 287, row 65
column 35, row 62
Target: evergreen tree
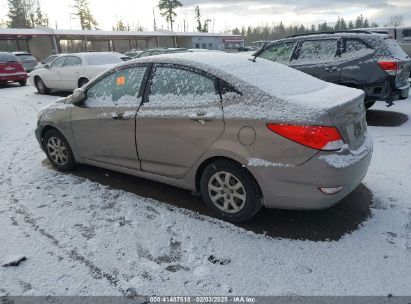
column 17, row 14
column 359, row 23
column 366, row 24
column 41, row 19
column 350, row 25
column 343, row 25
column 120, row 26
column 82, row 11
column 167, row 10
column 337, row 26
column 198, row 18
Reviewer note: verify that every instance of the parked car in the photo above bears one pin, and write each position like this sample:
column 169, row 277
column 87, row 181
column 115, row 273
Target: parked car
column 71, row 71
column 216, row 124
column 28, row 61
column 11, row 69
column 371, row 62
column 121, row 56
column 133, row 53
column 160, row 51
column 48, row 60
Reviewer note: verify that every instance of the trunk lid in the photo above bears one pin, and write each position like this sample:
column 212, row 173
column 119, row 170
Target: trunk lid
column 345, row 107
column 350, row 120
column 11, row 68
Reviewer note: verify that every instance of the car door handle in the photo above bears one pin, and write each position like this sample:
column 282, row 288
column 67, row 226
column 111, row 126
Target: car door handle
column 331, row 69
column 120, row 116
column 201, row 117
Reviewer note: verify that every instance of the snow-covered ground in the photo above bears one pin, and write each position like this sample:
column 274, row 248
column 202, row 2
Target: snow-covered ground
column 82, row 238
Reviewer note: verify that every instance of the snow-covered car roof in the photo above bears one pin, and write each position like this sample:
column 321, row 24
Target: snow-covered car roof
column 269, row 77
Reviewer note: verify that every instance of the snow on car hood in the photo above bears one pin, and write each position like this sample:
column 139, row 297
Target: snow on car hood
column 269, row 89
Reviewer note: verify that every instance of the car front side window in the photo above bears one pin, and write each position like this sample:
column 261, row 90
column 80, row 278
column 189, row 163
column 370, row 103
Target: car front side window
column 58, row 63
column 119, row 89
column 178, row 87
column 279, row 53
column 317, row 51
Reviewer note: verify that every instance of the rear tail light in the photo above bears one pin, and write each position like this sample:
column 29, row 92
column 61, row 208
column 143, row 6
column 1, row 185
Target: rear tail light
column 391, row 67
column 316, row 137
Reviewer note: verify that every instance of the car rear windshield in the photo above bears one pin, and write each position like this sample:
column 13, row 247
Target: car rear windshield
column 100, row 59
column 395, row 49
column 7, row 57
column 25, row 57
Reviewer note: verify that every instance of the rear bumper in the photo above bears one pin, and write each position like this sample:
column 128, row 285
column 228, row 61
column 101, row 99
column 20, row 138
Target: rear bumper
column 297, row 187
column 13, row 77
column 386, row 91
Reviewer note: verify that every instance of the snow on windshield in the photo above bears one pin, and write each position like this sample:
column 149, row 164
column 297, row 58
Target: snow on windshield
column 118, row 89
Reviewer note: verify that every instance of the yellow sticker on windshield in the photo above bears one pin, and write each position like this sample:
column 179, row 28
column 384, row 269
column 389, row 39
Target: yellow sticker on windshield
column 121, row 81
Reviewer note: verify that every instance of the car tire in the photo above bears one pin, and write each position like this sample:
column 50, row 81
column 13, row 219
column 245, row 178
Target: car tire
column 369, row 104
column 58, row 151
column 230, row 191
column 41, row 87
column 23, row 82
column 82, row 82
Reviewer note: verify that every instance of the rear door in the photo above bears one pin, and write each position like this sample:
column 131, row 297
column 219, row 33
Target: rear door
column 180, row 118
column 104, row 127
column 69, row 73
column 357, row 68
column 317, row 57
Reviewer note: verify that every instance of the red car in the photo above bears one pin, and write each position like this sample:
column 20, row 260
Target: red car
column 11, row 69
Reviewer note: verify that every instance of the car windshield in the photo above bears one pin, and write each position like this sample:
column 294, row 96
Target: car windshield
column 25, row 57
column 99, row 59
column 7, row 57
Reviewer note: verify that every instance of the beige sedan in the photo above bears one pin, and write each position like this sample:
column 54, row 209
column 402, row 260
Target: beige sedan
column 243, row 133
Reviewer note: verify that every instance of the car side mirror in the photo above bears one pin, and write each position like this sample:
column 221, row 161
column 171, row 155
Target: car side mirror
column 46, row 66
column 78, row 97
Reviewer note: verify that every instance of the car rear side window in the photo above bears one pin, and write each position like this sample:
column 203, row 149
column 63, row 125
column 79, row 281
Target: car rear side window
column 118, row 89
column 72, row 61
column 25, row 57
column 313, row 51
column 279, row 53
column 171, row 86
column 355, row 48
column 7, row 57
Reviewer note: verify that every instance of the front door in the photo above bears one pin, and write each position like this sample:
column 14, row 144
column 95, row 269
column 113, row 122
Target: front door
column 51, row 76
column 180, row 118
column 318, row 58
column 69, row 73
column 104, row 127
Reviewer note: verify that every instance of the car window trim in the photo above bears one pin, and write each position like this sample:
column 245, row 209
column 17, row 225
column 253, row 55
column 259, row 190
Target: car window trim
column 181, row 67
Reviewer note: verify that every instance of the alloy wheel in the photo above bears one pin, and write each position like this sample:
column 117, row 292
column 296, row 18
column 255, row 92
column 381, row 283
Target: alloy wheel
column 227, row 192
column 57, row 151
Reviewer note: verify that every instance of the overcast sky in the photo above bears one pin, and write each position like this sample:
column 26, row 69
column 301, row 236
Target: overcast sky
column 226, row 14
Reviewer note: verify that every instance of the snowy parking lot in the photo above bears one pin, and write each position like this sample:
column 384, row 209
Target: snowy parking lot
column 96, row 232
